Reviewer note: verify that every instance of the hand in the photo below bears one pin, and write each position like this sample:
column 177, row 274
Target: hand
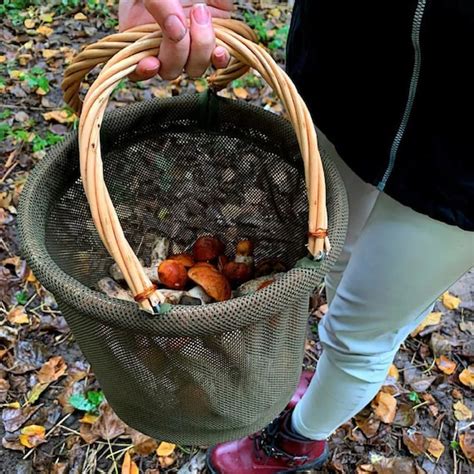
column 192, row 49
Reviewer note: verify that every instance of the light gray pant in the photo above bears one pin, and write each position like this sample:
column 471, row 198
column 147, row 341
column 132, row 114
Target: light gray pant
column 395, row 264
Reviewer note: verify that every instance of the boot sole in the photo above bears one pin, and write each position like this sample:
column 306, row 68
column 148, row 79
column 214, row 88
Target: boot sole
column 317, row 464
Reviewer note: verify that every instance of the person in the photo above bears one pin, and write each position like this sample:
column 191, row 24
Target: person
column 391, row 89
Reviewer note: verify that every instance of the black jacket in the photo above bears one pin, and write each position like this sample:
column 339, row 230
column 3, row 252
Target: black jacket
column 391, row 84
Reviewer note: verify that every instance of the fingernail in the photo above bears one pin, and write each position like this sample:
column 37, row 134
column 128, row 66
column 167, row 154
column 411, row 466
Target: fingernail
column 175, row 28
column 201, row 14
column 220, row 52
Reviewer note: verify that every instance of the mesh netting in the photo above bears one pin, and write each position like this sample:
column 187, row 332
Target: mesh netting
column 185, row 167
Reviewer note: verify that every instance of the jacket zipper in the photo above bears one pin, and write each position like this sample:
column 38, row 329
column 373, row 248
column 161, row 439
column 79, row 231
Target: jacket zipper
column 415, row 38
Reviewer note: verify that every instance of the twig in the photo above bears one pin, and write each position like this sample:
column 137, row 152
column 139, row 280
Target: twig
column 5, row 176
column 455, row 458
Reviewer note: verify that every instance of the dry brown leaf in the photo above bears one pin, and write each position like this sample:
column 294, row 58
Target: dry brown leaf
column 80, row 16
column 165, row 449
column 142, row 444
column 447, row 366
column 396, row 465
column 89, row 418
column 432, row 319
column 466, row 441
column 241, row 93
column 385, row 407
column 466, row 377
column 364, row 468
column 369, row 425
column 461, row 411
column 44, row 30
column 450, row 301
column 393, row 372
column 50, row 53
column 17, row 315
column 435, row 447
column 129, row 466
column 432, row 405
column 32, row 436
column 61, row 116
column 29, row 23
column 415, row 442
column 52, row 370
column 108, row 425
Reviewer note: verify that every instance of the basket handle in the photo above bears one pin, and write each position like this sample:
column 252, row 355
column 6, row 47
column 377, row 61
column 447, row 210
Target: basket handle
column 122, row 52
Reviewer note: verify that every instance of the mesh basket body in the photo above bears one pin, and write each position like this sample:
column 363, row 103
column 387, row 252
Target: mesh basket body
column 185, row 167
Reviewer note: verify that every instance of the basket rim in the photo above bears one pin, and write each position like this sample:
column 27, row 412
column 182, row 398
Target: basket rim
column 127, row 315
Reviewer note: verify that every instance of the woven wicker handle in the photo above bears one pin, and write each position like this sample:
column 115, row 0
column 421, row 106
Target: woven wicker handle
column 122, row 52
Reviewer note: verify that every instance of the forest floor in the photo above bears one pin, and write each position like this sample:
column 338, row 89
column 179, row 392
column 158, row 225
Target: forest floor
column 53, row 415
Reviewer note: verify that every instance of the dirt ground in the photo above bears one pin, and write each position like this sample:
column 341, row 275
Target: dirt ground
column 49, row 399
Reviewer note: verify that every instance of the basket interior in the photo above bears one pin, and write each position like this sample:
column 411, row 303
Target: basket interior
column 185, row 167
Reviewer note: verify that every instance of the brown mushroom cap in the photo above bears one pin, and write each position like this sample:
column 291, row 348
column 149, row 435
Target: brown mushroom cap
column 172, row 274
column 185, row 258
column 207, row 248
column 214, row 283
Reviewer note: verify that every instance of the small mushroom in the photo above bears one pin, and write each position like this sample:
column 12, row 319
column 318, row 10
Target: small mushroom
column 269, row 266
column 241, row 269
column 207, row 248
column 172, row 274
column 213, row 282
column 113, row 290
column 185, row 258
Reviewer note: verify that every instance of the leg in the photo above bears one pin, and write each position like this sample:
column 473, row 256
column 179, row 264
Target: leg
column 361, row 197
column 400, row 264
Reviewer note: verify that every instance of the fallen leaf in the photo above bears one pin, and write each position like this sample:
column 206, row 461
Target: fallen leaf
column 14, row 418
column 52, row 370
column 364, row 468
column 32, row 436
column 142, row 444
column 89, row 418
column 36, row 391
column 80, row 16
column 466, row 377
column 129, row 466
column 435, row 447
column 440, row 344
column 29, row 23
column 369, row 425
column 385, row 407
column 47, row 17
column 405, row 415
column 166, row 461
column 467, row 326
column 165, row 449
column 108, row 425
column 50, row 53
column 17, row 315
column 241, row 93
column 396, row 465
column 415, row 442
column 432, row 319
column 432, row 405
column 4, row 387
column 61, row 116
column 3, row 58
column 393, row 372
column 461, row 411
column 450, row 301
column 466, row 441
column 447, row 366
column 44, row 30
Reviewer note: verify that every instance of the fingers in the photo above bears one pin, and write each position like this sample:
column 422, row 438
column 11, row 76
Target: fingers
column 146, row 69
column 176, row 42
column 203, row 40
column 220, row 58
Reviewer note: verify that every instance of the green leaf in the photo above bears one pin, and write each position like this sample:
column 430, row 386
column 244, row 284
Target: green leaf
column 454, row 445
column 5, row 130
column 21, row 297
column 96, row 398
column 80, row 402
column 414, row 397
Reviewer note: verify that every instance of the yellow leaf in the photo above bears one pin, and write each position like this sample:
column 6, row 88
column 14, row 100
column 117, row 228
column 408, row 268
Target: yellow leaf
column 49, row 53
column 466, row 377
column 89, row 418
column 450, row 301
column 431, row 320
column 61, row 116
column 462, row 412
column 24, row 59
column 15, row 405
column 241, row 93
column 80, row 16
column 385, row 407
column 201, row 85
column 165, row 449
column 393, row 372
column 2, row 58
column 47, row 17
column 15, row 74
column 29, row 23
column 44, row 30
column 18, row 316
column 41, row 91
column 33, row 435
column 36, row 391
column 447, row 366
column 129, row 466
column 435, row 447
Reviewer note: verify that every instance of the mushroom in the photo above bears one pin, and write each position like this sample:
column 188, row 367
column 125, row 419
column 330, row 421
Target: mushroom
column 113, row 290
column 213, row 282
column 185, row 258
column 269, row 266
column 199, row 293
column 173, row 274
column 241, row 269
column 252, row 286
column 207, row 248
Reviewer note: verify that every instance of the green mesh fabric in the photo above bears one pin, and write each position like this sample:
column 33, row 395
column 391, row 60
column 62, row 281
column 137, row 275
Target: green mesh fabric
column 184, row 167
